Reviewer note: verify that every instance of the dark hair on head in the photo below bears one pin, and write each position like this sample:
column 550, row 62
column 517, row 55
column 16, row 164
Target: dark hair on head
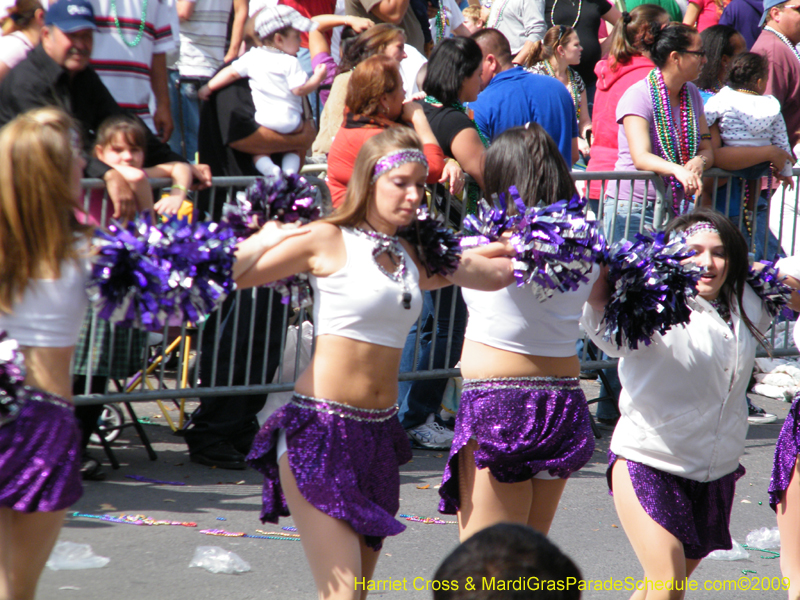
column 283, row 31
column 737, row 264
column 371, row 79
column 660, row 42
column 545, row 48
column 506, row 551
column 494, row 42
column 369, row 43
column 452, row 62
column 627, row 37
column 717, row 42
column 746, row 69
column 128, row 126
column 21, row 15
column 528, row 158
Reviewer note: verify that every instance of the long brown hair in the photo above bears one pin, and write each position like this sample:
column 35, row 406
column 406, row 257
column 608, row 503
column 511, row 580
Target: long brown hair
column 545, row 49
column 369, row 43
column 361, row 190
column 37, row 224
column 629, row 34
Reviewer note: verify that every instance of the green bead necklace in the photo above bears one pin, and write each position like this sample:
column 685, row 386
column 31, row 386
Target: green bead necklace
column 139, row 34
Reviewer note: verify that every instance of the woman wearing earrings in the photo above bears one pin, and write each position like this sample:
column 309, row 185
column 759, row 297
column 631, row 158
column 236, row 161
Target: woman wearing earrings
column 674, row 456
column 331, row 456
column 43, row 273
column 555, row 55
column 663, row 130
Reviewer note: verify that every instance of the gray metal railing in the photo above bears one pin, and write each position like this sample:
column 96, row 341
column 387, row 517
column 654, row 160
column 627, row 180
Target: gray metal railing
column 255, row 314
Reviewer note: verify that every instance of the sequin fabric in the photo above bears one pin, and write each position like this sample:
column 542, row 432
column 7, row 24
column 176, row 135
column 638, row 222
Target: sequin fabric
column 40, row 455
column 786, row 451
column 523, row 425
column 698, row 513
column 345, row 461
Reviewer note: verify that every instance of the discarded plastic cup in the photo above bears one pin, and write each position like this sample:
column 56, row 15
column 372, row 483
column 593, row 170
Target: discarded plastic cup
column 69, row 556
column 218, row 560
column 735, row 553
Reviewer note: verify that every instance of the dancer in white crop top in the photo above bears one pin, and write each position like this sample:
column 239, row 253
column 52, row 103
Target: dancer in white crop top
column 42, row 300
column 339, row 477
column 523, row 425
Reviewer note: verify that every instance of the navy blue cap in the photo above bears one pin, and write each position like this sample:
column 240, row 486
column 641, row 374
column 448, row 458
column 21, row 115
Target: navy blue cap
column 71, row 15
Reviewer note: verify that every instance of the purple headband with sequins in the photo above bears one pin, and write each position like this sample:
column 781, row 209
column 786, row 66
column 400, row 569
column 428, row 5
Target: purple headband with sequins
column 699, row 227
column 398, row 158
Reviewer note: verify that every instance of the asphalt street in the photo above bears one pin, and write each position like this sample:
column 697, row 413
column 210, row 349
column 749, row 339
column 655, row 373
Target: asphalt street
column 152, row 562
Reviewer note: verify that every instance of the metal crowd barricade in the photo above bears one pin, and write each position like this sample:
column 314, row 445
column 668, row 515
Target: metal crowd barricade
column 154, row 380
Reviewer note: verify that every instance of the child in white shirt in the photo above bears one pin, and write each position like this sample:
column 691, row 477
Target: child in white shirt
column 745, row 116
column 277, row 81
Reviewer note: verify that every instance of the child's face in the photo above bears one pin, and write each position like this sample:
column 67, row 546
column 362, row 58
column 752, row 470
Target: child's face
column 119, row 151
column 289, row 42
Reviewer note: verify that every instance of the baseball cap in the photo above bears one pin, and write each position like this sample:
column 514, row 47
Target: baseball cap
column 275, row 18
column 71, row 16
column 767, row 5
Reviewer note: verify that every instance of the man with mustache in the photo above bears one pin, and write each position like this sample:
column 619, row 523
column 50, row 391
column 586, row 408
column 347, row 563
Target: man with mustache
column 57, row 73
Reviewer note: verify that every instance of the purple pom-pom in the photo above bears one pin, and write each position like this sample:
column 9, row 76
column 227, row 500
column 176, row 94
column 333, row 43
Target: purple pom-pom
column 651, row 288
column 287, row 199
column 149, row 275
column 438, row 247
column 128, row 282
column 769, row 286
column 556, row 245
column 12, row 375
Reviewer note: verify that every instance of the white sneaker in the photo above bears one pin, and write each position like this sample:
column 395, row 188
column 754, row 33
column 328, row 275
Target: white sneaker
column 431, row 435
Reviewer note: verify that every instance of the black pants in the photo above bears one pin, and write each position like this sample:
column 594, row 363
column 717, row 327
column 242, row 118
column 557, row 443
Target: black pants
column 233, row 419
column 88, row 416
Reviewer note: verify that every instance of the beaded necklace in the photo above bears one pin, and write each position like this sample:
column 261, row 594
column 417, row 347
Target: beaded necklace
column 460, row 108
column 439, row 24
column 785, row 40
column 499, row 16
column 139, row 34
column 675, row 144
column 744, row 91
column 723, row 310
column 572, row 87
column 577, row 17
column 389, row 244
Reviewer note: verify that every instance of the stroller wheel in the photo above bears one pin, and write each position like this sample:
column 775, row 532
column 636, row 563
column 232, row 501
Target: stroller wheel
column 111, row 419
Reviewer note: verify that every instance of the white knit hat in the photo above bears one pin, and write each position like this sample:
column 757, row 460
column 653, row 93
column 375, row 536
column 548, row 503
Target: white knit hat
column 275, row 18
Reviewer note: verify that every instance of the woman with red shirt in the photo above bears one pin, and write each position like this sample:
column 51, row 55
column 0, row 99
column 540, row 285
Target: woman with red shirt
column 375, row 101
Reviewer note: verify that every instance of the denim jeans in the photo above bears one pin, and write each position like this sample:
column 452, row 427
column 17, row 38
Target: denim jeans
column 185, row 114
column 418, row 399
column 620, row 224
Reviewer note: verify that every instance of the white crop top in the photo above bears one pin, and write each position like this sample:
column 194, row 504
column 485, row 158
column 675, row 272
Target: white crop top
column 51, row 311
column 513, row 319
column 361, row 303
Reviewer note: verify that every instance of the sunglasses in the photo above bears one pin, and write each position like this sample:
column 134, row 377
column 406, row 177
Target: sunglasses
column 695, row 52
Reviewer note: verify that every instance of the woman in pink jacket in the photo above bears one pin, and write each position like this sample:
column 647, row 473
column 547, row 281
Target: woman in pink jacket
column 625, row 65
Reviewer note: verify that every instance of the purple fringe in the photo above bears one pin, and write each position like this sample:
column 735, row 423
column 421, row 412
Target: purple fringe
column 438, row 248
column 770, row 288
column 12, row 374
column 786, row 450
column 651, row 288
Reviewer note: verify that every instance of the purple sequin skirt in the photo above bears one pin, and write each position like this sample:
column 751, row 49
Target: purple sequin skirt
column 40, row 454
column 786, row 451
column 345, row 461
column 523, row 425
column 698, row 513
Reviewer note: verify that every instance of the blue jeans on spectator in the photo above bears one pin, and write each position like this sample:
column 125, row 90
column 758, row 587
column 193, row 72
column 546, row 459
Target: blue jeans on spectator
column 418, row 399
column 623, row 208
column 185, row 114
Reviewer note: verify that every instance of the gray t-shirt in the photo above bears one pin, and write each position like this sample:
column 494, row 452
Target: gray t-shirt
column 410, row 25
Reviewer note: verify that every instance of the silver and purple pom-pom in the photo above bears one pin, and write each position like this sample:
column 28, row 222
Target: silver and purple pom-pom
column 651, row 288
column 12, row 376
column 286, row 199
column 438, row 247
column 149, row 275
column 769, row 286
column 556, row 244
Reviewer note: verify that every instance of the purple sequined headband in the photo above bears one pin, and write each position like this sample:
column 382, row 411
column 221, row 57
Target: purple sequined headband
column 398, row 158
column 699, row 227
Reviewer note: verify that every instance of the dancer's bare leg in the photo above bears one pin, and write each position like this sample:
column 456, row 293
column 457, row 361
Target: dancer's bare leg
column 789, row 526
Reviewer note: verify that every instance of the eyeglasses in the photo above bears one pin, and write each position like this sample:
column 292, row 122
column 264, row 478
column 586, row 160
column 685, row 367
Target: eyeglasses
column 794, row 7
column 695, row 52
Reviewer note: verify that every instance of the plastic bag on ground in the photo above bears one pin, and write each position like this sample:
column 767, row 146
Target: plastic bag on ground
column 218, row 560
column 735, row 553
column 69, row 556
column 764, row 538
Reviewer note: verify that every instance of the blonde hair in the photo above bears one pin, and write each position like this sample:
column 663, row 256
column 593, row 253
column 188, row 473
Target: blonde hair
column 361, row 190
column 37, row 224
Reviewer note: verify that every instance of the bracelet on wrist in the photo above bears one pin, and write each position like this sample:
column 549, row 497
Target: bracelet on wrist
column 703, row 158
column 177, row 186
